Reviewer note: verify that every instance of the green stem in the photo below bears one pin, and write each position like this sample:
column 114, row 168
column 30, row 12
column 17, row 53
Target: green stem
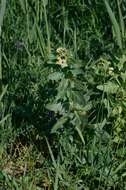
column 47, row 27
column 2, row 12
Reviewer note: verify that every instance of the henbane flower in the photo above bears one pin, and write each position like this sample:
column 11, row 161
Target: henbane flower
column 62, row 57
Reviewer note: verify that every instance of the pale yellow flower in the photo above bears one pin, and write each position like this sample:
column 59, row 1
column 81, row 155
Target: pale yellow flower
column 62, row 62
column 61, row 51
column 62, row 57
column 111, row 70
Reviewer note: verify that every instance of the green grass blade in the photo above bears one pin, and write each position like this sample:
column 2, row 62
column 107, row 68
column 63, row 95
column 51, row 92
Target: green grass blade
column 47, row 25
column 2, row 11
column 122, row 24
column 115, row 24
column 4, row 119
column 51, row 153
column 41, row 41
column 22, row 3
column 80, row 134
column 57, row 176
column 3, row 92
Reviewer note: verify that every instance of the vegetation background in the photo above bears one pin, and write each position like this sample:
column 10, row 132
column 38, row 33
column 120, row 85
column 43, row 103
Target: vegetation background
column 62, row 95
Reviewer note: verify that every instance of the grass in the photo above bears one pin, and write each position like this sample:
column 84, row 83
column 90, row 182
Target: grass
column 62, row 97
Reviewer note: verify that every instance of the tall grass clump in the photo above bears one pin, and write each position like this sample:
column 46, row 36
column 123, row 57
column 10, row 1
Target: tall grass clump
column 62, row 95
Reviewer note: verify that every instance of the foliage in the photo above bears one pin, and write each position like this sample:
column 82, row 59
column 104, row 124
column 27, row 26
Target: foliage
column 62, row 95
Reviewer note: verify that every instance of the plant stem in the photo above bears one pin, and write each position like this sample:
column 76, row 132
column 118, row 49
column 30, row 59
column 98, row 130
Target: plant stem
column 2, row 12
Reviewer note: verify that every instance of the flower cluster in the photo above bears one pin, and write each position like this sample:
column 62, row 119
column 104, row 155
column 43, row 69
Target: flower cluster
column 62, row 57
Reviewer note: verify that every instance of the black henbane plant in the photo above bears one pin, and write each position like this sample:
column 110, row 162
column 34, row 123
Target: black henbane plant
column 72, row 101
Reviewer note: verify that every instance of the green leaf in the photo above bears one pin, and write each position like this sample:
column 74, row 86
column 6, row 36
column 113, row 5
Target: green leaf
column 56, row 107
column 62, row 89
column 88, row 106
column 56, row 76
column 59, row 124
column 2, row 176
column 120, row 167
column 76, row 72
column 109, row 87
